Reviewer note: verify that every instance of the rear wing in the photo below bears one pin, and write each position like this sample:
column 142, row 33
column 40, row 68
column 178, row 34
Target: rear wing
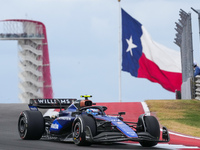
column 51, row 103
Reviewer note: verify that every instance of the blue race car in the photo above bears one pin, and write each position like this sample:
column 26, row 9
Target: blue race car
column 83, row 123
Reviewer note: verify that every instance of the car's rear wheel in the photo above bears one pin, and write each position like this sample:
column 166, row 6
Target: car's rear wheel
column 153, row 128
column 31, row 125
column 80, row 125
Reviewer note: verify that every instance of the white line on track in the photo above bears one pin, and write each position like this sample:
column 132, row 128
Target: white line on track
column 169, row 146
column 146, row 108
column 186, row 136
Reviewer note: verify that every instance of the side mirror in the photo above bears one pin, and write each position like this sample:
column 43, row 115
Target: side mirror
column 121, row 113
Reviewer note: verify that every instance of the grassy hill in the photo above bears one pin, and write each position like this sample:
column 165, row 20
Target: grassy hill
column 182, row 116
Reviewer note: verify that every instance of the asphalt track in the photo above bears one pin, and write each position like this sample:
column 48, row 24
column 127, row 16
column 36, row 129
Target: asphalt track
column 10, row 140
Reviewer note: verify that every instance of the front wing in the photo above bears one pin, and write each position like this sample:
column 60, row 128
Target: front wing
column 118, row 137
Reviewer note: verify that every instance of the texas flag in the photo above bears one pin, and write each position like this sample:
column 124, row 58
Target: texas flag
column 144, row 58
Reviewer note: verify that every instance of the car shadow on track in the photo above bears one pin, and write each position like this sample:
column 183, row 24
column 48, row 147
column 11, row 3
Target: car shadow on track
column 105, row 146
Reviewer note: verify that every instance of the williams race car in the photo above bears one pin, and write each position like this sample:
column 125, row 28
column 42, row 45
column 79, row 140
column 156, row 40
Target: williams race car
column 84, row 123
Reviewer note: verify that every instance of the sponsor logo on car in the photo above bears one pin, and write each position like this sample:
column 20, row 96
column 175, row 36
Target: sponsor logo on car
column 65, row 118
column 53, row 101
column 55, row 126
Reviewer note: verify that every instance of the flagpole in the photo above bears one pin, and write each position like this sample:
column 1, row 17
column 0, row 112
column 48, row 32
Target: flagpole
column 120, row 96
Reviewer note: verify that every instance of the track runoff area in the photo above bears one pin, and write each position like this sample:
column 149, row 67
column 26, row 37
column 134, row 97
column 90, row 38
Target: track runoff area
column 133, row 111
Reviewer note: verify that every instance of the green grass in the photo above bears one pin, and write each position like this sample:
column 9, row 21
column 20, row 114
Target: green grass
column 181, row 116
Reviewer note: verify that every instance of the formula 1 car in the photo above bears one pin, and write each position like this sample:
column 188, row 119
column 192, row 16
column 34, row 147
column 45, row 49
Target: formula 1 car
column 84, row 123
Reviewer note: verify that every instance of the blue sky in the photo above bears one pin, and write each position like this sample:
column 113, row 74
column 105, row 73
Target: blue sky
column 83, row 37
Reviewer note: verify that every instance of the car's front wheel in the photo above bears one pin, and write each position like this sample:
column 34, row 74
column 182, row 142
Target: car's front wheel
column 31, row 125
column 80, row 125
column 153, row 128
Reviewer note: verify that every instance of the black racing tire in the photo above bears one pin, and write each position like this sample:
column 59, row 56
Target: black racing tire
column 153, row 128
column 31, row 125
column 79, row 128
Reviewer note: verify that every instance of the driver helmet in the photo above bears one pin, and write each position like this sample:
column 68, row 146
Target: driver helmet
column 92, row 111
column 195, row 64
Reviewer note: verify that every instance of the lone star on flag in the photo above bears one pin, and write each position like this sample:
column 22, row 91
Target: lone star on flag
column 130, row 45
